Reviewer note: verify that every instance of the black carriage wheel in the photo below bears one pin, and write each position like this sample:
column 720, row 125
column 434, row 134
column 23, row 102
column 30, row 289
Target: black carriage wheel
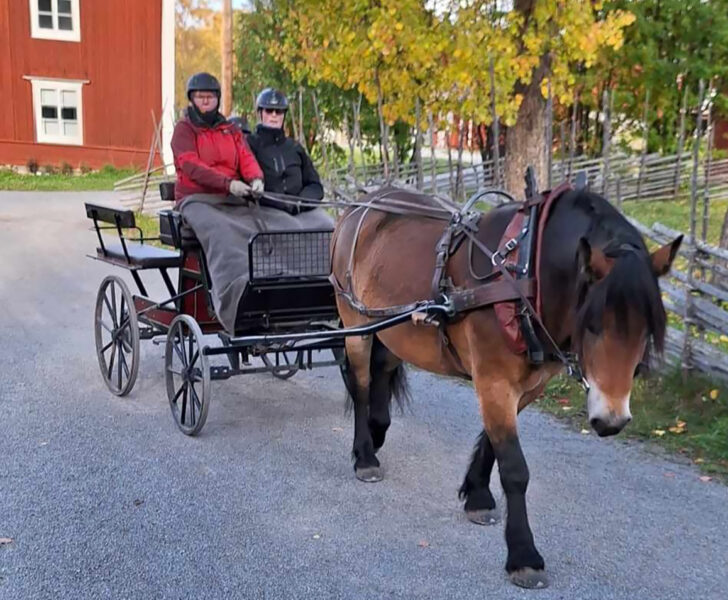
column 116, row 331
column 283, row 373
column 187, row 374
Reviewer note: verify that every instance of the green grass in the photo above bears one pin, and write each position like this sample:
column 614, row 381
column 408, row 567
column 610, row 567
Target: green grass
column 676, row 215
column 659, row 404
column 149, row 224
column 97, row 180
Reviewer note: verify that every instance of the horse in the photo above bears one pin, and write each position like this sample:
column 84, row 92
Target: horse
column 600, row 300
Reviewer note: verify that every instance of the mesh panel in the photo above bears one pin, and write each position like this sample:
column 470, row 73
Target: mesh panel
column 290, row 254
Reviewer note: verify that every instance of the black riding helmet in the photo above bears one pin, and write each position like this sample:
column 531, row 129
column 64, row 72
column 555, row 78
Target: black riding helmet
column 202, row 82
column 270, row 98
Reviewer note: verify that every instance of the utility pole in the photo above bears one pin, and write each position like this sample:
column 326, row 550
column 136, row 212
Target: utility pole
column 227, row 58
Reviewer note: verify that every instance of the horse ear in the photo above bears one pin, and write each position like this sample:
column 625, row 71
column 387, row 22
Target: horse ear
column 662, row 258
column 592, row 261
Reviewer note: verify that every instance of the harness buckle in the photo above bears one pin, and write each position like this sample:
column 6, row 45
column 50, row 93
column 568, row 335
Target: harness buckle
column 499, row 256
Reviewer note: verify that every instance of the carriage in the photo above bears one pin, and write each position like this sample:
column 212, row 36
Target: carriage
column 288, row 321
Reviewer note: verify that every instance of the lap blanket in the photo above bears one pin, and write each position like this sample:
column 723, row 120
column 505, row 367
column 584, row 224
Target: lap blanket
column 224, row 226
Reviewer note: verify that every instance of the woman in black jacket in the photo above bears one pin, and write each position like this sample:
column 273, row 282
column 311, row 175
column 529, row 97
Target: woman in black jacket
column 287, row 169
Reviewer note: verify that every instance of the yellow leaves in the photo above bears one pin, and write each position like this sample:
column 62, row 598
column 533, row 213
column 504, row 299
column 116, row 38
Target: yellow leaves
column 678, row 428
column 412, row 51
column 658, row 432
column 714, row 394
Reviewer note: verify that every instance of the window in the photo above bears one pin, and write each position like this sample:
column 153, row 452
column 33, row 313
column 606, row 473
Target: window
column 55, row 20
column 58, row 111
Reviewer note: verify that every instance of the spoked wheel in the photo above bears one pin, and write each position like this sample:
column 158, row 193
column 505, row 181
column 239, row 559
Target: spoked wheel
column 117, row 335
column 290, row 360
column 187, row 373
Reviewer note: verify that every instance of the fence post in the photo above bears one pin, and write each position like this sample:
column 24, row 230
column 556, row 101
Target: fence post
column 689, row 304
column 549, row 133
column 643, row 154
column 418, row 143
column 708, row 163
column 606, row 130
column 494, row 130
column 680, row 144
column 562, row 149
column 431, row 123
column 572, row 140
column 383, row 133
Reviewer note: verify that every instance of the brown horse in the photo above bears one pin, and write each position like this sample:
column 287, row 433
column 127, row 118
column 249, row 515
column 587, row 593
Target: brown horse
column 600, row 298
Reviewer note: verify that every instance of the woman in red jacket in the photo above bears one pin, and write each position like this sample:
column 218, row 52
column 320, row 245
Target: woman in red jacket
column 211, row 155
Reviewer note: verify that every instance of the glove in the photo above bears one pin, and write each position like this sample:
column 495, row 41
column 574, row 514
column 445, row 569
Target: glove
column 239, row 189
column 257, row 188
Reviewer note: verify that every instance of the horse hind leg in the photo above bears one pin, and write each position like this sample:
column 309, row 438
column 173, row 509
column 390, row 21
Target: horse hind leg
column 357, row 378
column 388, row 380
column 480, row 506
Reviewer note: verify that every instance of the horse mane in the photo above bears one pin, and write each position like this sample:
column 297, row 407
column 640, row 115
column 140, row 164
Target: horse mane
column 631, row 286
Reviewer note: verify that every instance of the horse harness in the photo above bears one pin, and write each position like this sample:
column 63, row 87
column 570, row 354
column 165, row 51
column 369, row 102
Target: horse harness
column 509, row 287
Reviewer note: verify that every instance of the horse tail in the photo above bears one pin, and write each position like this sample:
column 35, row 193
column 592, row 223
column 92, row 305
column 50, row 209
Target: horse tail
column 348, row 376
column 399, row 387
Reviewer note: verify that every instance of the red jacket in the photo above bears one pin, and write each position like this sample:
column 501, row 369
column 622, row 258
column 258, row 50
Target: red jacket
column 207, row 159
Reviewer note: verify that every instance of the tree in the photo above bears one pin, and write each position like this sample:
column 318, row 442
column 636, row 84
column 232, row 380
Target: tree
column 197, row 39
column 406, row 49
column 667, row 49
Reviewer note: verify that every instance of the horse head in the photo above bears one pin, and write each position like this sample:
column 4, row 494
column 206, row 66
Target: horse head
column 620, row 317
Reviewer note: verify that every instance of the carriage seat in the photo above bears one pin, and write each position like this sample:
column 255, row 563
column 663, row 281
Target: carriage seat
column 128, row 252
column 143, row 256
column 173, row 231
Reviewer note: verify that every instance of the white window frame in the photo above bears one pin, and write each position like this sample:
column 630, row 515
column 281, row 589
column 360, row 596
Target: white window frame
column 71, row 35
column 75, row 85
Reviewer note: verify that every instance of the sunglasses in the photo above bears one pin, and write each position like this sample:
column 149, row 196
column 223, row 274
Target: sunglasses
column 275, row 111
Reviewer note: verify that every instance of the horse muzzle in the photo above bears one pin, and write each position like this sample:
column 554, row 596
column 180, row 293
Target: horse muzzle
column 607, row 427
column 607, row 416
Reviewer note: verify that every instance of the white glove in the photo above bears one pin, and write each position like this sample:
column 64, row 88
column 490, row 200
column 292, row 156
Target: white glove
column 239, row 189
column 257, row 187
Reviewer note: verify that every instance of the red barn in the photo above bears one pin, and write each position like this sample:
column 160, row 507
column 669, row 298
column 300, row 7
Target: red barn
column 80, row 79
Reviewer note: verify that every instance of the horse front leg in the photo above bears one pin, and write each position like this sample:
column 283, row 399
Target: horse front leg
column 499, row 408
column 358, row 382
column 480, row 506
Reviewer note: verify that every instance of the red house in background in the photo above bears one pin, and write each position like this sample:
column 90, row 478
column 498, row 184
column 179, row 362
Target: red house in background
column 721, row 134
column 80, row 79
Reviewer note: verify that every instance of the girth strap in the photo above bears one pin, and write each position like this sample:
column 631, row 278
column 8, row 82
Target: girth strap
column 500, row 290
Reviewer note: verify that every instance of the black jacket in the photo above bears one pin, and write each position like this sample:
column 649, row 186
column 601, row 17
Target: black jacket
column 287, row 169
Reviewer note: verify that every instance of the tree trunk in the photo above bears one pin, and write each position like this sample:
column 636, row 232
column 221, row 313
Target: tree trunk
column 525, row 141
column 226, row 101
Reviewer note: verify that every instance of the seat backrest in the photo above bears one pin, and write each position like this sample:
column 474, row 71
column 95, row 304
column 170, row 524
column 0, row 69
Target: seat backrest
column 166, row 190
column 122, row 217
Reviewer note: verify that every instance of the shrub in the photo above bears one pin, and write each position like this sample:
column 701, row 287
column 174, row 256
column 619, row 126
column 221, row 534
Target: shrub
column 66, row 168
column 84, row 168
column 32, row 166
column 49, row 169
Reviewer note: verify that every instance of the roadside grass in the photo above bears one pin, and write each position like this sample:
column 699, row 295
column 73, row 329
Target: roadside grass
column 688, row 418
column 102, row 179
column 676, row 215
column 149, row 224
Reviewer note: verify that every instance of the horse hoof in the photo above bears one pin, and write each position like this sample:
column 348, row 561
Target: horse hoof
column 483, row 516
column 529, row 578
column 369, row 474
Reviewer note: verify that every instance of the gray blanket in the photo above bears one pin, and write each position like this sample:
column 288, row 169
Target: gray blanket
column 224, row 226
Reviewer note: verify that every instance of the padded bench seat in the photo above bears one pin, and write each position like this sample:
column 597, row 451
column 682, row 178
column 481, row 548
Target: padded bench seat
column 143, row 256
